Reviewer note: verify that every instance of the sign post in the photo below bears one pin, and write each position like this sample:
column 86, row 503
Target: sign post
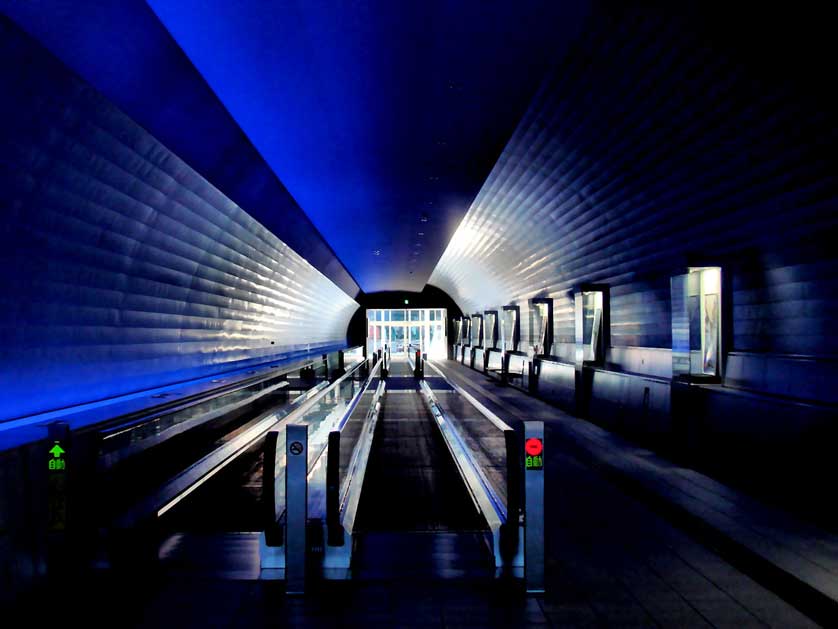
column 296, row 509
column 534, row 506
column 56, row 464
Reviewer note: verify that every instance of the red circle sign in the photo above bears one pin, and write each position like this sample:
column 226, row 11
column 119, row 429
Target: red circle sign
column 533, row 446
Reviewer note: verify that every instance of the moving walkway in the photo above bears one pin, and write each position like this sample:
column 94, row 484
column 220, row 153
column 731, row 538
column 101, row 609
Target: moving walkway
column 411, row 456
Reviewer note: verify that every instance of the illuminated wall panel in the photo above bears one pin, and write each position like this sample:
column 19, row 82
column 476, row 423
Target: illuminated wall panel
column 121, row 268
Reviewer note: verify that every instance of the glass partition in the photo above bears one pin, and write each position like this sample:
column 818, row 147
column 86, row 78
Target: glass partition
column 490, row 319
column 416, row 334
column 592, row 324
column 353, row 357
column 422, row 327
column 540, row 326
column 705, row 288
column 476, row 331
column 398, row 338
column 321, row 418
column 696, row 322
column 226, row 410
column 510, row 329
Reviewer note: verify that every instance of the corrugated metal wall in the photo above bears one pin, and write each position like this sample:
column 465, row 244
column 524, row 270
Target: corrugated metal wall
column 121, row 49
column 121, row 268
column 648, row 150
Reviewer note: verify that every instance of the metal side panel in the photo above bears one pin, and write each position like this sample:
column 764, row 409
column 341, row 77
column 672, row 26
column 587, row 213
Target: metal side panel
column 480, row 490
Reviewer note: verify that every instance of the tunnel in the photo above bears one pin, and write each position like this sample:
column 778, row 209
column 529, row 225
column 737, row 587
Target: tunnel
column 473, row 313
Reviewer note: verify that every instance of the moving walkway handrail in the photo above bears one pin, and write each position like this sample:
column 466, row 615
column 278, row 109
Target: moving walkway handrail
column 271, row 464
column 168, row 494
column 132, row 421
column 342, row 497
column 503, row 519
column 469, row 469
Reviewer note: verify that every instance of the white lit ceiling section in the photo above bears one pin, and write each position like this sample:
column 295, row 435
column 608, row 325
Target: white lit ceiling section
column 507, row 248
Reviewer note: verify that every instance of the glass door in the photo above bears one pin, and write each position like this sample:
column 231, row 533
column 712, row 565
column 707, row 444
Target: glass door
column 398, row 339
column 416, row 337
column 399, row 329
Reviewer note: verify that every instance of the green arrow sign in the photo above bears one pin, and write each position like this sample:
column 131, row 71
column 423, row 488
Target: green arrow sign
column 56, row 451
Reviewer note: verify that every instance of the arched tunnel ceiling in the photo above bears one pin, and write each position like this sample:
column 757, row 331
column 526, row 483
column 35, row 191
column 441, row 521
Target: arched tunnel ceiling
column 383, row 118
column 379, row 120
column 362, row 118
column 120, row 49
column 653, row 147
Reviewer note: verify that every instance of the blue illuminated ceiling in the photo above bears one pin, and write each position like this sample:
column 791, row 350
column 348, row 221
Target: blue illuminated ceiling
column 382, row 119
column 120, row 49
column 345, row 128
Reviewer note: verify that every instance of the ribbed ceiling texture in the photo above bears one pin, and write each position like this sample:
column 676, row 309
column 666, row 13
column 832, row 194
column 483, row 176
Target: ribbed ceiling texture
column 646, row 151
column 120, row 49
column 122, row 268
column 382, row 118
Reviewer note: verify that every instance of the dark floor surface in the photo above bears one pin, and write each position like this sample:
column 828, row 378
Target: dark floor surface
column 411, row 482
column 416, row 518
column 612, row 561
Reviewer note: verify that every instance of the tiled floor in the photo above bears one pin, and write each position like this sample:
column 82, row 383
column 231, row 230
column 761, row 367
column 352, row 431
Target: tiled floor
column 782, row 552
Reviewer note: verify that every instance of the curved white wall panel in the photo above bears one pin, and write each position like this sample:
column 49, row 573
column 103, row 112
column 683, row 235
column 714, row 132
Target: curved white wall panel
column 121, row 268
column 629, row 167
column 506, row 248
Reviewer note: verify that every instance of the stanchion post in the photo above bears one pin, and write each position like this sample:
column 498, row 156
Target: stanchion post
column 534, row 506
column 296, row 501
column 333, row 527
column 57, row 461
